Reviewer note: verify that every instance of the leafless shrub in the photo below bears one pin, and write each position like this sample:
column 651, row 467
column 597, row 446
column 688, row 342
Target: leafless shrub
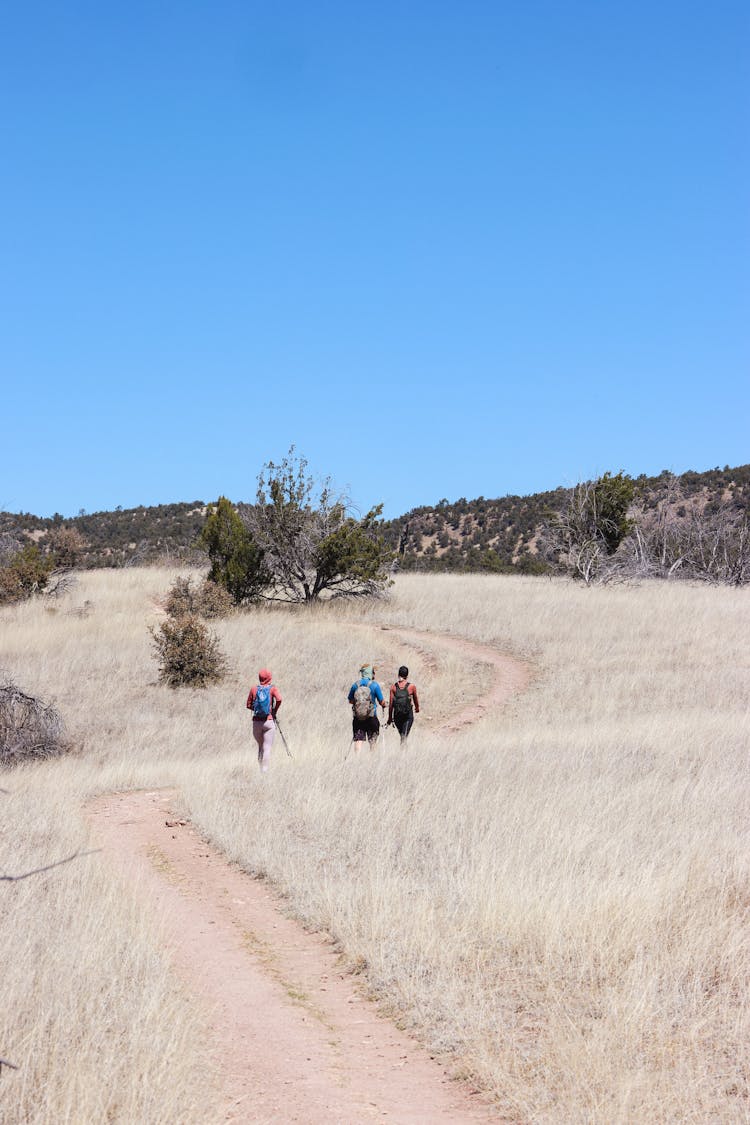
column 680, row 537
column 29, row 728
column 138, row 556
column 716, row 547
column 707, row 549
column 188, row 654
column 60, row 582
column 9, row 548
column 672, row 536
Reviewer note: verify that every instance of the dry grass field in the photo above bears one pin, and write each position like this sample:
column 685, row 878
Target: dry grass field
column 557, row 897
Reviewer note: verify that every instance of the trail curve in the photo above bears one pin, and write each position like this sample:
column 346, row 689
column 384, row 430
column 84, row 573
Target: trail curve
column 294, row 1038
column 510, row 675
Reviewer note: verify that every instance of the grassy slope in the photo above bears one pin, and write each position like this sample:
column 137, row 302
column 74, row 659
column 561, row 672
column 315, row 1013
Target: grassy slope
column 558, row 896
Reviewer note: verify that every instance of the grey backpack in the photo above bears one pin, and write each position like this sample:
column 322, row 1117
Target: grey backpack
column 362, row 702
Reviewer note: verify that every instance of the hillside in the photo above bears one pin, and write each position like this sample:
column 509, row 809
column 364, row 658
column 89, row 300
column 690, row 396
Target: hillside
column 498, row 534
column 120, row 538
column 502, row 534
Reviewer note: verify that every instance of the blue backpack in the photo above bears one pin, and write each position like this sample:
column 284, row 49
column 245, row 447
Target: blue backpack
column 262, row 702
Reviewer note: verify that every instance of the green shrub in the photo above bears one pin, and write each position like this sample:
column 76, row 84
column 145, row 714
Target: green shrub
column 188, row 654
column 532, row 564
column 236, row 560
column 27, row 573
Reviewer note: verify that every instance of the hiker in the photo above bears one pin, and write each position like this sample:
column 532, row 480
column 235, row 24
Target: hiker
column 264, row 701
column 364, row 696
column 402, row 704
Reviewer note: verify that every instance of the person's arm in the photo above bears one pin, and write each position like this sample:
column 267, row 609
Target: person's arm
column 390, row 703
column 415, row 697
column 251, row 699
column 379, row 696
column 276, row 701
column 350, row 696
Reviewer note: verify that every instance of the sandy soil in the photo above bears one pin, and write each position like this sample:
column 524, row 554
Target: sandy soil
column 294, row 1038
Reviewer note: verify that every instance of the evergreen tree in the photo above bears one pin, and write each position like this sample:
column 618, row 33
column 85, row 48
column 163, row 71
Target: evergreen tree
column 236, row 560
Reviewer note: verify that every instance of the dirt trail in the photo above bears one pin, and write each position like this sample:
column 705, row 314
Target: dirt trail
column 294, row 1039
column 510, row 675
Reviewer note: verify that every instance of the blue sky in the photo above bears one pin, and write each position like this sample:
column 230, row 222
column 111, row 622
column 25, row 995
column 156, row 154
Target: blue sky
column 446, row 249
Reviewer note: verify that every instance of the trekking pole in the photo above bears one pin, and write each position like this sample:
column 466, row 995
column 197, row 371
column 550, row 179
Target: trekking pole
column 286, row 744
column 348, row 749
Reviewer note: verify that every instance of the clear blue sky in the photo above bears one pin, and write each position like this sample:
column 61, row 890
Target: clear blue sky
column 446, row 248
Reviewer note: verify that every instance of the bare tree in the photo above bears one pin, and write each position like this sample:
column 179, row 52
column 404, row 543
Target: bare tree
column 717, row 546
column 311, row 539
column 655, row 539
column 9, row 548
column 586, row 533
column 685, row 537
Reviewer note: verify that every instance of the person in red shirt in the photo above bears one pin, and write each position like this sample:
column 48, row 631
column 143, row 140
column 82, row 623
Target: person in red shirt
column 403, row 704
column 264, row 701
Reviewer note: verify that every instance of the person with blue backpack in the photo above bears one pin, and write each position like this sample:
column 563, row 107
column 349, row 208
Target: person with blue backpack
column 264, row 701
column 364, row 696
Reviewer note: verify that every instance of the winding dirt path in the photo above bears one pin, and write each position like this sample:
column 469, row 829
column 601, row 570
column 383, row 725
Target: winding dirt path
column 294, row 1038
column 509, row 675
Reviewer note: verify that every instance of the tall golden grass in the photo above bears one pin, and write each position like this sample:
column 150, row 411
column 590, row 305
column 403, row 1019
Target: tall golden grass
column 557, row 897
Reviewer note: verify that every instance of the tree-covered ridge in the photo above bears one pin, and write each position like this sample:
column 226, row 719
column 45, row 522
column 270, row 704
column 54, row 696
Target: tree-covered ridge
column 122, row 537
column 476, row 534
column 501, row 534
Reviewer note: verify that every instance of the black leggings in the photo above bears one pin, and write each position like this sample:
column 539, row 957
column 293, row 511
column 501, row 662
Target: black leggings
column 403, row 724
